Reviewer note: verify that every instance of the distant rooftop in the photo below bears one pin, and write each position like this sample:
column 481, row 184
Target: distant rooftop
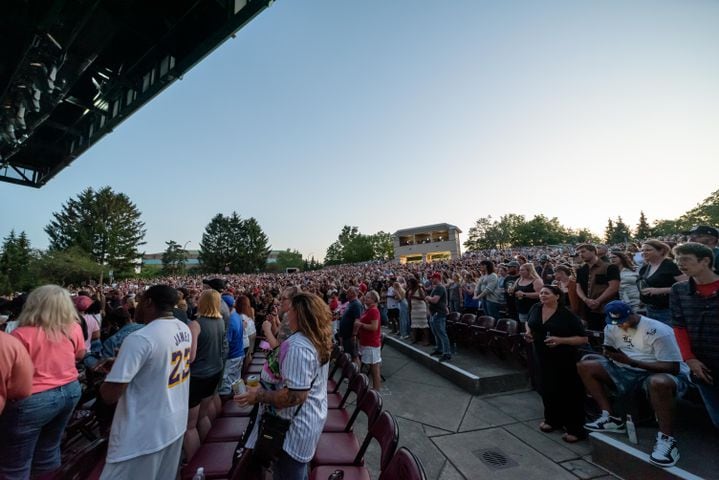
column 427, row 228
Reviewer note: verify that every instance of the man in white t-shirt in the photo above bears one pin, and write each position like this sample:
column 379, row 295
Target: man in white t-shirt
column 392, row 309
column 638, row 352
column 150, row 378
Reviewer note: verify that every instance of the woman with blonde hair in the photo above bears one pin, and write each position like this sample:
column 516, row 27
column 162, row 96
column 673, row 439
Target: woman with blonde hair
column 526, row 290
column 32, row 428
column 207, row 361
column 301, row 397
column 656, row 278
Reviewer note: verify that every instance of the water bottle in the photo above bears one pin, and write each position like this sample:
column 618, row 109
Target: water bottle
column 631, row 430
column 199, row 474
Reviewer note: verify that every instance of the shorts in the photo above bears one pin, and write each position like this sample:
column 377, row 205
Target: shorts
column 627, row 379
column 371, row 355
column 393, row 313
column 203, row 387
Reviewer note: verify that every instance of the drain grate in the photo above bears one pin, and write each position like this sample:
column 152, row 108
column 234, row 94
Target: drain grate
column 495, row 459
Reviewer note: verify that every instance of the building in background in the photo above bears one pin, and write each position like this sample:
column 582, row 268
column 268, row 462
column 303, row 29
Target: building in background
column 429, row 243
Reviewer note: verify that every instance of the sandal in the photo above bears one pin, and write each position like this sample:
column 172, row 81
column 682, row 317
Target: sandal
column 569, row 438
column 546, row 428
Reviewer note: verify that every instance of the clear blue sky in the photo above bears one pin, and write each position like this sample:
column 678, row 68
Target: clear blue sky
column 391, row 114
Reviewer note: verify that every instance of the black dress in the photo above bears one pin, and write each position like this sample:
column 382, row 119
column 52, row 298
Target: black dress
column 561, row 387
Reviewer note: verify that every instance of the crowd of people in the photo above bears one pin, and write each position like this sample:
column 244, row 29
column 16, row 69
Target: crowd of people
column 170, row 344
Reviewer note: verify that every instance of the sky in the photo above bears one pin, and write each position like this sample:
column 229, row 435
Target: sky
column 389, row 115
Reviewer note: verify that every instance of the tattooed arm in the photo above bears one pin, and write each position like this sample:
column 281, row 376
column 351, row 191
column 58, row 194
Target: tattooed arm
column 279, row 399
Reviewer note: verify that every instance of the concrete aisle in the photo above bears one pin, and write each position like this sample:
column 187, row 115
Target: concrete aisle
column 461, row 436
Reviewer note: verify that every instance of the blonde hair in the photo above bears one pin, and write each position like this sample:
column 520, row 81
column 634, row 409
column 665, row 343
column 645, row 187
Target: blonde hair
column 209, row 304
column 532, row 271
column 314, row 320
column 49, row 307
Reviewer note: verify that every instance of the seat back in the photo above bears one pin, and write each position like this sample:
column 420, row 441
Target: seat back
column 503, row 325
column 371, row 405
column 405, row 465
column 485, row 321
column 348, row 371
column 468, row 318
column 453, row 317
column 359, row 385
column 512, row 326
column 386, row 431
column 341, row 361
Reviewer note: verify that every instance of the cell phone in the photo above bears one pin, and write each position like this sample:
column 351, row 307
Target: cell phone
column 610, row 348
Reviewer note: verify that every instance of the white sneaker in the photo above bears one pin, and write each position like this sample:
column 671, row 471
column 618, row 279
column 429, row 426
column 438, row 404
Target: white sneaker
column 665, row 453
column 607, row 424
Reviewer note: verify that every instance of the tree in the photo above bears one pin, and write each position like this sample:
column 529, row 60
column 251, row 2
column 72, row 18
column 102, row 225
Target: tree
column 382, row 246
column 63, row 267
column 288, row 259
column 644, row 231
column 620, row 233
column 609, row 231
column 15, row 259
column 540, row 230
column 102, row 223
column 705, row 213
column 174, row 259
column 231, row 244
column 352, row 247
column 482, row 235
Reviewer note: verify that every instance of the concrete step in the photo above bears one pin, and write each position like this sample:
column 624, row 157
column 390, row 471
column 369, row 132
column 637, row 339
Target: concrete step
column 476, row 373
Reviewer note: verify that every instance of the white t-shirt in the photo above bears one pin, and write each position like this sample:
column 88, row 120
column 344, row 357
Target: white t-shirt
column 651, row 341
column 248, row 329
column 93, row 325
column 391, row 301
column 152, row 413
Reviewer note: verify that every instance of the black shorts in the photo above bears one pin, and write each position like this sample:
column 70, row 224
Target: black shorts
column 203, row 387
column 393, row 313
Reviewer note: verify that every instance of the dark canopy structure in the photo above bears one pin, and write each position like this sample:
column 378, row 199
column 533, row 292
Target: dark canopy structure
column 72, row 70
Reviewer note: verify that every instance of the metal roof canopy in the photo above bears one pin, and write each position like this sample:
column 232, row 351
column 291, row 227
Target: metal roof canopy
column 71, row 71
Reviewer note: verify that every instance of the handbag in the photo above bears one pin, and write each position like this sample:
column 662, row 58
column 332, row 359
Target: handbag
column 271, row 434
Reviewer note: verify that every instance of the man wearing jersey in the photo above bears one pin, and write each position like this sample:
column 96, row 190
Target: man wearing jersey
column 150, row 378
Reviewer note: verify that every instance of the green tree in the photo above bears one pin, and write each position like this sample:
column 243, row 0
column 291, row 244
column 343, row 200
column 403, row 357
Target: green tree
column 62, row 267
column 540, row 230
column 609, row 231
column 174, row 259
column 288, row 259
column 15, row 259
column 351, row 247
column 382, row 246
column 666, row 227
column 644, row 231
column 231, row 244
column 102, row 223
column 705, row 213
column 582, row 235
column 620, row 233
column 482, row 235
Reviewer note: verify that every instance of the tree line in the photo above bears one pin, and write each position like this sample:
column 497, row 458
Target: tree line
column 516, row 230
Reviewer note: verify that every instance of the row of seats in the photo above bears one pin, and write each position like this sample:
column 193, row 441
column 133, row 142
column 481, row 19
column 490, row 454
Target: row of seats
column 339, row 450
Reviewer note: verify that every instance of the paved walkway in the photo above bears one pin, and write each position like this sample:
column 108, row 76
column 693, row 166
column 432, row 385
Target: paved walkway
column 461, row 436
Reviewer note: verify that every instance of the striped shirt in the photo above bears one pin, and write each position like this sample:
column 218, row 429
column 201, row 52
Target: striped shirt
column 301, row 370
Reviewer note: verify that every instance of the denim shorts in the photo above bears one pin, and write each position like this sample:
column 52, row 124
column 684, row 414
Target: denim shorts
column 627, row 379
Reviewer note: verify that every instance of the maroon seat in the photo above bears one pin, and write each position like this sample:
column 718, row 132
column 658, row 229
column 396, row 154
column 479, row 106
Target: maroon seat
column 339, row 364
column 339, row 420
column 358, row 384
column 334, row 400
column 227, row 429
column 386, row 431
column 404, row 465
column 463, row 328
column 341, row 448
column 258, row 361
column 254, row 369
column 480, row 331
column 232, row 409
column 504, row 337
column 348, row 371
column 215, row 458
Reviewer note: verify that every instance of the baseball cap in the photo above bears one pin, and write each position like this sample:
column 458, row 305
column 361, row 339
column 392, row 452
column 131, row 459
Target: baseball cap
column 617, row 312
column 82, row 302
column 513, row 263
column 229, row 300
column 215, row 283
column 702, row 230
column 436, row 275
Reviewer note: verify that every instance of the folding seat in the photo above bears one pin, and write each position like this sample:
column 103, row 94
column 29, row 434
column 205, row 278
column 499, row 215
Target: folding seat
column 386, row 431
column 335, row 399
column 464, row 328
column 347, row 370
column 404, row 465
column 216, row 458
column 504, row 337
column 339, row 419
column 452, row 320
column 341, row 448
column 343, row 360
column 86, row 463
column 480, row 331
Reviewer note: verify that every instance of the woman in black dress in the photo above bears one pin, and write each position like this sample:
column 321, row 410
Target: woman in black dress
column 556, row 333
